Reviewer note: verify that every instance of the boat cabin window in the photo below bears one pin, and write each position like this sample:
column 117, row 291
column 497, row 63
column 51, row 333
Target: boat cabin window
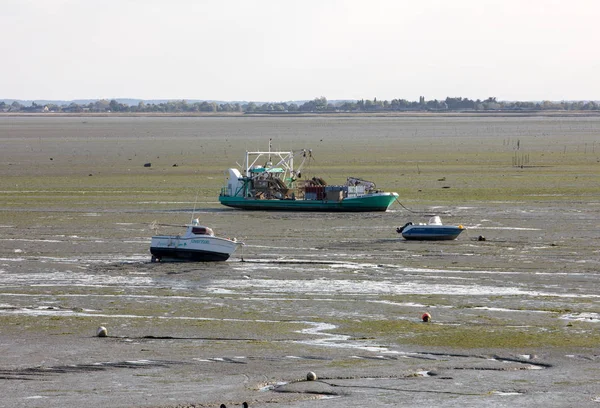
column 202, row 231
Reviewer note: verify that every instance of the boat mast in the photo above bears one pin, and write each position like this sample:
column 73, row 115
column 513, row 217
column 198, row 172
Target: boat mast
column 195, row 204
column 285, row 160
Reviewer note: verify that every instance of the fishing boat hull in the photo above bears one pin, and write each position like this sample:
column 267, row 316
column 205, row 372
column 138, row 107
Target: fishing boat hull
column 431, row 232
column 269, row 181
column 365, row 203
column 205, row 249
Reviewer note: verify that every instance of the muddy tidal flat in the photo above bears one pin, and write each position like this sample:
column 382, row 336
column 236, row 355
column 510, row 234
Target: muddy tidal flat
column 514, row 301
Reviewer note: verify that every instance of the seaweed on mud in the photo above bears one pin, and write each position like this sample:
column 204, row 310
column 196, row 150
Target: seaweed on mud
column 471, row 335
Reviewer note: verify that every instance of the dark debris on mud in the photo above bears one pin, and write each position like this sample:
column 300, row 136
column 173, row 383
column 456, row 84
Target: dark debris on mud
column 38, row 373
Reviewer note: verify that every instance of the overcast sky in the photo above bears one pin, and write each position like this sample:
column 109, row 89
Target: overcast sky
column 282, row 50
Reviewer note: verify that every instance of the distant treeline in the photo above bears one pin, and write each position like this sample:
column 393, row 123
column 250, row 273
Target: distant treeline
column 317, row 105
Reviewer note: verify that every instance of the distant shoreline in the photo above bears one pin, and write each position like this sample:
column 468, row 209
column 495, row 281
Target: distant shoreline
column 313, row 114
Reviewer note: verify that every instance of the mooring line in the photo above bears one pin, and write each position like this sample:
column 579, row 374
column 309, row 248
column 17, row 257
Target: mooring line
column 408, row 209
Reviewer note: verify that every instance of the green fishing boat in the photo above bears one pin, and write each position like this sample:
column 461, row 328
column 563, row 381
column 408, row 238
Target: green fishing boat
column 268, row 181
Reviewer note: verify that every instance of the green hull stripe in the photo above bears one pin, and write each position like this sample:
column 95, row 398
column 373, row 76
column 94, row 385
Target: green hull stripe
column 375, row 203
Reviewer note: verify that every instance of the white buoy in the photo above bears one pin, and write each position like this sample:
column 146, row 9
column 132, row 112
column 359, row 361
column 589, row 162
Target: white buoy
column 102, row 332
column 311, row 376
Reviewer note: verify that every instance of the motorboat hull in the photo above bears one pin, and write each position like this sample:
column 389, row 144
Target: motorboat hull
column 204, row 249
column 431, row 232
column 166, row 254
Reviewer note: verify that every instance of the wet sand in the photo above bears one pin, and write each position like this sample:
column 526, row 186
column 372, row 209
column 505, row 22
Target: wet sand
column 515, row 318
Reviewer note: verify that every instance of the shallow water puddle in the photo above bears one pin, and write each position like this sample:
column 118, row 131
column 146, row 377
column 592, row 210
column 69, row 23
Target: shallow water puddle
column 367, row 287
column 582, row 317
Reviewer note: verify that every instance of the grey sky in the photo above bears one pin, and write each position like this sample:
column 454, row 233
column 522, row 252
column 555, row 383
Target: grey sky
column 280, row 50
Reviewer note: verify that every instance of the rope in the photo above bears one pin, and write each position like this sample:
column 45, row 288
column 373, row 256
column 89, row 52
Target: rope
column 417, row 212
column 408, row 209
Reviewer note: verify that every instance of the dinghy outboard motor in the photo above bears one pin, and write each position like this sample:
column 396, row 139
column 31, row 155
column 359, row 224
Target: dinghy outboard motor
column 399, row 230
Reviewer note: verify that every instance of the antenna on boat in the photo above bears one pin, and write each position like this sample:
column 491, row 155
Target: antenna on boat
column 195, row 203
column 270, row 139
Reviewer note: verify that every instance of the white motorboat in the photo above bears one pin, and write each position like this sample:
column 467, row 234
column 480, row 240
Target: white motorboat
column 198, row 244
column 434, row 230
